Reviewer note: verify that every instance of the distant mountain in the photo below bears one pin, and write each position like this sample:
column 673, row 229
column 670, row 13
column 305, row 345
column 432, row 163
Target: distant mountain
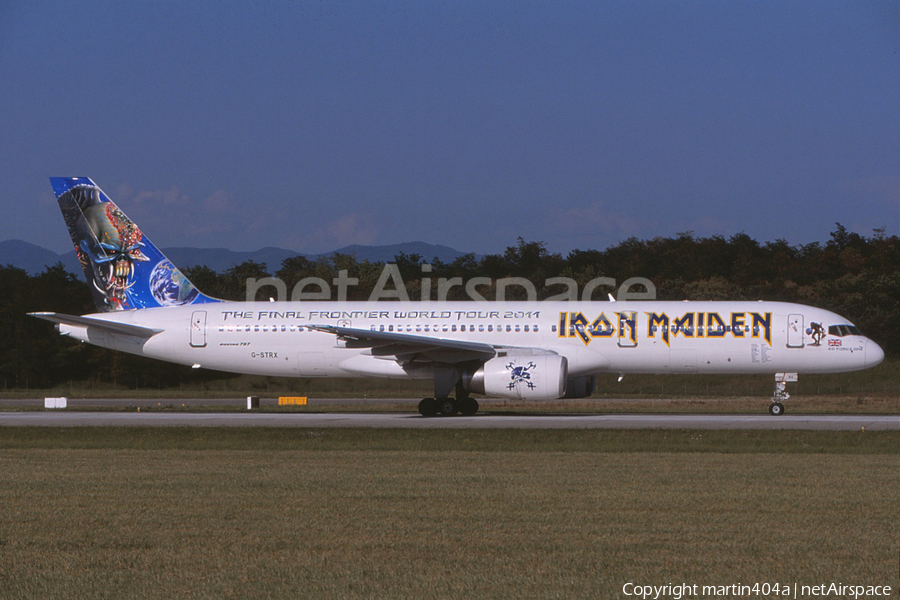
column 34, row 259
column 30, row 257
column 387, row 253
column 220, row 259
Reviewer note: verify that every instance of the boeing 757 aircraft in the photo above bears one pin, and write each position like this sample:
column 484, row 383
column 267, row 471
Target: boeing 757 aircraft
column 518, row 350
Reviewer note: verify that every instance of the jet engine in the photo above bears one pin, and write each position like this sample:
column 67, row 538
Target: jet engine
column 525, row 377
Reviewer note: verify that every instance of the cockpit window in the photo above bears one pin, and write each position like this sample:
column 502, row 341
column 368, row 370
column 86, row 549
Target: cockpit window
column 842, row 330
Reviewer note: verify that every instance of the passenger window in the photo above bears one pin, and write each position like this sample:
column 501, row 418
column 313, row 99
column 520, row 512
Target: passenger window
column 517, row 329
column 481, row 328
column 453, row 328
column 490, row 327
column 526, row 329
column 508, row 328
column 390, row 327
column 535, row 328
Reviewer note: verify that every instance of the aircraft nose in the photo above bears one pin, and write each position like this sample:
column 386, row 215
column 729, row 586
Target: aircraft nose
column 874, row 354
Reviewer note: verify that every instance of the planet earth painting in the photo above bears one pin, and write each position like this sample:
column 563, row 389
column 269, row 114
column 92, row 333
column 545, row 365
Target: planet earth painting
column 169, row 286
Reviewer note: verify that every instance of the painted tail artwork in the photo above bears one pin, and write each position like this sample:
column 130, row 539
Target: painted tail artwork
column 124, row 267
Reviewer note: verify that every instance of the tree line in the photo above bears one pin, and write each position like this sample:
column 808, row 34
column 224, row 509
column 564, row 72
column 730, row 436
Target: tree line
column 854, row 275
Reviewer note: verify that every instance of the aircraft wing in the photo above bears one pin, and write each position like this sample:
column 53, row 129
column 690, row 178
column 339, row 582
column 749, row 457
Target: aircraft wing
column 410, row 347
column 110, row 326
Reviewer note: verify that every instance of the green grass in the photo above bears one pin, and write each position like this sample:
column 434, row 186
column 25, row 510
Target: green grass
column 262, row 513
column 289, row 439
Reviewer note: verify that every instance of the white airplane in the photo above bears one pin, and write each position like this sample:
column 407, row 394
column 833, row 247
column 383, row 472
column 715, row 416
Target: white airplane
column 518, row 350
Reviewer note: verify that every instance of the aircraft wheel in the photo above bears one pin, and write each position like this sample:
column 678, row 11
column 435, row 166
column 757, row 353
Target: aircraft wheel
column 776, row 409
column 428, row 407
column 448, row 407
column 468, row 406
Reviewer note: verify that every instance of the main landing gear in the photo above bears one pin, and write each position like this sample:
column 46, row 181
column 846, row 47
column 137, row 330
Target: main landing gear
column 445, row 380
column 447, row 407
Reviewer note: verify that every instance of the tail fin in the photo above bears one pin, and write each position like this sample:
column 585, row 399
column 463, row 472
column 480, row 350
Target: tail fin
column 124, row 268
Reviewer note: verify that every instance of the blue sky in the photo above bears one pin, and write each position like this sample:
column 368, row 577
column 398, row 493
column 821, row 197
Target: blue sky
column 315, row 125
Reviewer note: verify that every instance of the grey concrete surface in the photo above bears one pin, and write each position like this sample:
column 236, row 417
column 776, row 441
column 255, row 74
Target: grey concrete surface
column 69, row 418
column 192, row 402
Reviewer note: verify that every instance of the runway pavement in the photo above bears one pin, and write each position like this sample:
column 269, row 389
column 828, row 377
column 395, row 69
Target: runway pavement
column 192, row 402
column 414, row 421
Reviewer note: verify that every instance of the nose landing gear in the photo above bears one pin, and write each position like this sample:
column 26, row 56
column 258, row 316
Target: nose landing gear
column 780, row 394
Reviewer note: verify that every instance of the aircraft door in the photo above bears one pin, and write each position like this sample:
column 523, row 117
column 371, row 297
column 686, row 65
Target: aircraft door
column 795, row 331
column 627, row 329
column 198, row 329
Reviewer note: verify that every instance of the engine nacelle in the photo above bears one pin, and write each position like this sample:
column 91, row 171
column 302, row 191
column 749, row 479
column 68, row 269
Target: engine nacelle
column 579, row 387
column 525, row 377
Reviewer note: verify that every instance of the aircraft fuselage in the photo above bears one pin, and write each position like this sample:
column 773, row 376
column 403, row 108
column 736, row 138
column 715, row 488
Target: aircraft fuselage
column 270, row 338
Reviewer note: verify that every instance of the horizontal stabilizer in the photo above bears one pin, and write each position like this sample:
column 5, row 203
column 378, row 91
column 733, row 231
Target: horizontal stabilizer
column 110, row 326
